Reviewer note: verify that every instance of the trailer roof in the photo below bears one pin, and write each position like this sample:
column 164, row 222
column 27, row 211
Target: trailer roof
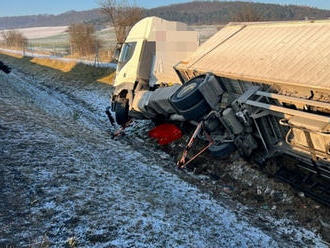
column 294, row 53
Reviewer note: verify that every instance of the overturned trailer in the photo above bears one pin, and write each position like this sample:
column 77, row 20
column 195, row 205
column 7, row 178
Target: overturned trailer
column 275, row 79
column 262, row 88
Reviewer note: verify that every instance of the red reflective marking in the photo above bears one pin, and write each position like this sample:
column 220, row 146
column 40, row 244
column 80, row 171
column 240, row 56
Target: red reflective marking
column 165, row 133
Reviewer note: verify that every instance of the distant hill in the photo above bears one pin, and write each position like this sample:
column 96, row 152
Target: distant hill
column 49, row 20
column 222, row 12
column 197, row 12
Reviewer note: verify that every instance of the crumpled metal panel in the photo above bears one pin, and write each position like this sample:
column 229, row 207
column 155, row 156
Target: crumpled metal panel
column 159, row 100
column 211, row 90
column 140, row 103
column 153, row 103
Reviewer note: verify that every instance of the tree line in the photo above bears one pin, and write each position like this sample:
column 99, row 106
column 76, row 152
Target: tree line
column 14, row 39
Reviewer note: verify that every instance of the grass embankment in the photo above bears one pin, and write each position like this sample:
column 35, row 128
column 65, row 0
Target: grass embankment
column 19, row 56
column 55, row 64
column 104, row 56
column 69, row 71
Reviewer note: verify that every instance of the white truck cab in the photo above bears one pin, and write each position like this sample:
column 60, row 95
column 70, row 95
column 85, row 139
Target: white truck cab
column 151, row 49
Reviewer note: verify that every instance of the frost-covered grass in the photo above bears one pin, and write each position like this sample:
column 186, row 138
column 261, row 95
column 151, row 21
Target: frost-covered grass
column 102, row 193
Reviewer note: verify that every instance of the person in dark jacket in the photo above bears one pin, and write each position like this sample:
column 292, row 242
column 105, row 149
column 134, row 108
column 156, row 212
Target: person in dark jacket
column 4, row 68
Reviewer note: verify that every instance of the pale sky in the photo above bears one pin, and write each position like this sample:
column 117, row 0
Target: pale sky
column 32, row 7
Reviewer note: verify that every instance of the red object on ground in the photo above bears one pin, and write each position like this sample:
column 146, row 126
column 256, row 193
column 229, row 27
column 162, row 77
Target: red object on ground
column 165, row 133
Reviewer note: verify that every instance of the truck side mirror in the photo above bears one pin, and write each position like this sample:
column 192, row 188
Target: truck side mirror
column 116, row 54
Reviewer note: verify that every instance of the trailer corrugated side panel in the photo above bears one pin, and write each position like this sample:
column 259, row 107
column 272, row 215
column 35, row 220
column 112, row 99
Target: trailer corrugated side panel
column 289, row 53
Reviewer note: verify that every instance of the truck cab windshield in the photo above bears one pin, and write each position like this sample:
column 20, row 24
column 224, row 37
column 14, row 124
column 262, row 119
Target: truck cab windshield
column 126, row 54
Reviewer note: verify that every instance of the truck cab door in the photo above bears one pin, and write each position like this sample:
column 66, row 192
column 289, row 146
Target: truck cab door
column 146, row 60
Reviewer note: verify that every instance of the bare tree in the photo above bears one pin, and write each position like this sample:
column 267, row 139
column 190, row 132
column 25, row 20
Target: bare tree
column 122, row 15
column 82, row 39
column 247, row 14
column 14, row 39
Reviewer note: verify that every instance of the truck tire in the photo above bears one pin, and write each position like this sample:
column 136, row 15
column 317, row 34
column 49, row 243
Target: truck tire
column 188, row 94
column 196, row 112
column 222, row 150
column 121, row 111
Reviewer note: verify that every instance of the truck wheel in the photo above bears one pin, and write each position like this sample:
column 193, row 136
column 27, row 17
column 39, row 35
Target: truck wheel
column 121, row 111
column 188, row 94
column 223, row 150
column 196, row 112
column 244, row 148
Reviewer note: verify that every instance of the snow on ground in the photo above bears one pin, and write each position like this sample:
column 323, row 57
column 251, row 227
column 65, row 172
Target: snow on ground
column 40, row 32
column 63, row 179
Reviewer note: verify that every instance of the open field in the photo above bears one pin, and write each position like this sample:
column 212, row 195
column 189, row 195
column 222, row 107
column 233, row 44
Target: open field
column 59, row 43
column 55, row 40
column 40, row 32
